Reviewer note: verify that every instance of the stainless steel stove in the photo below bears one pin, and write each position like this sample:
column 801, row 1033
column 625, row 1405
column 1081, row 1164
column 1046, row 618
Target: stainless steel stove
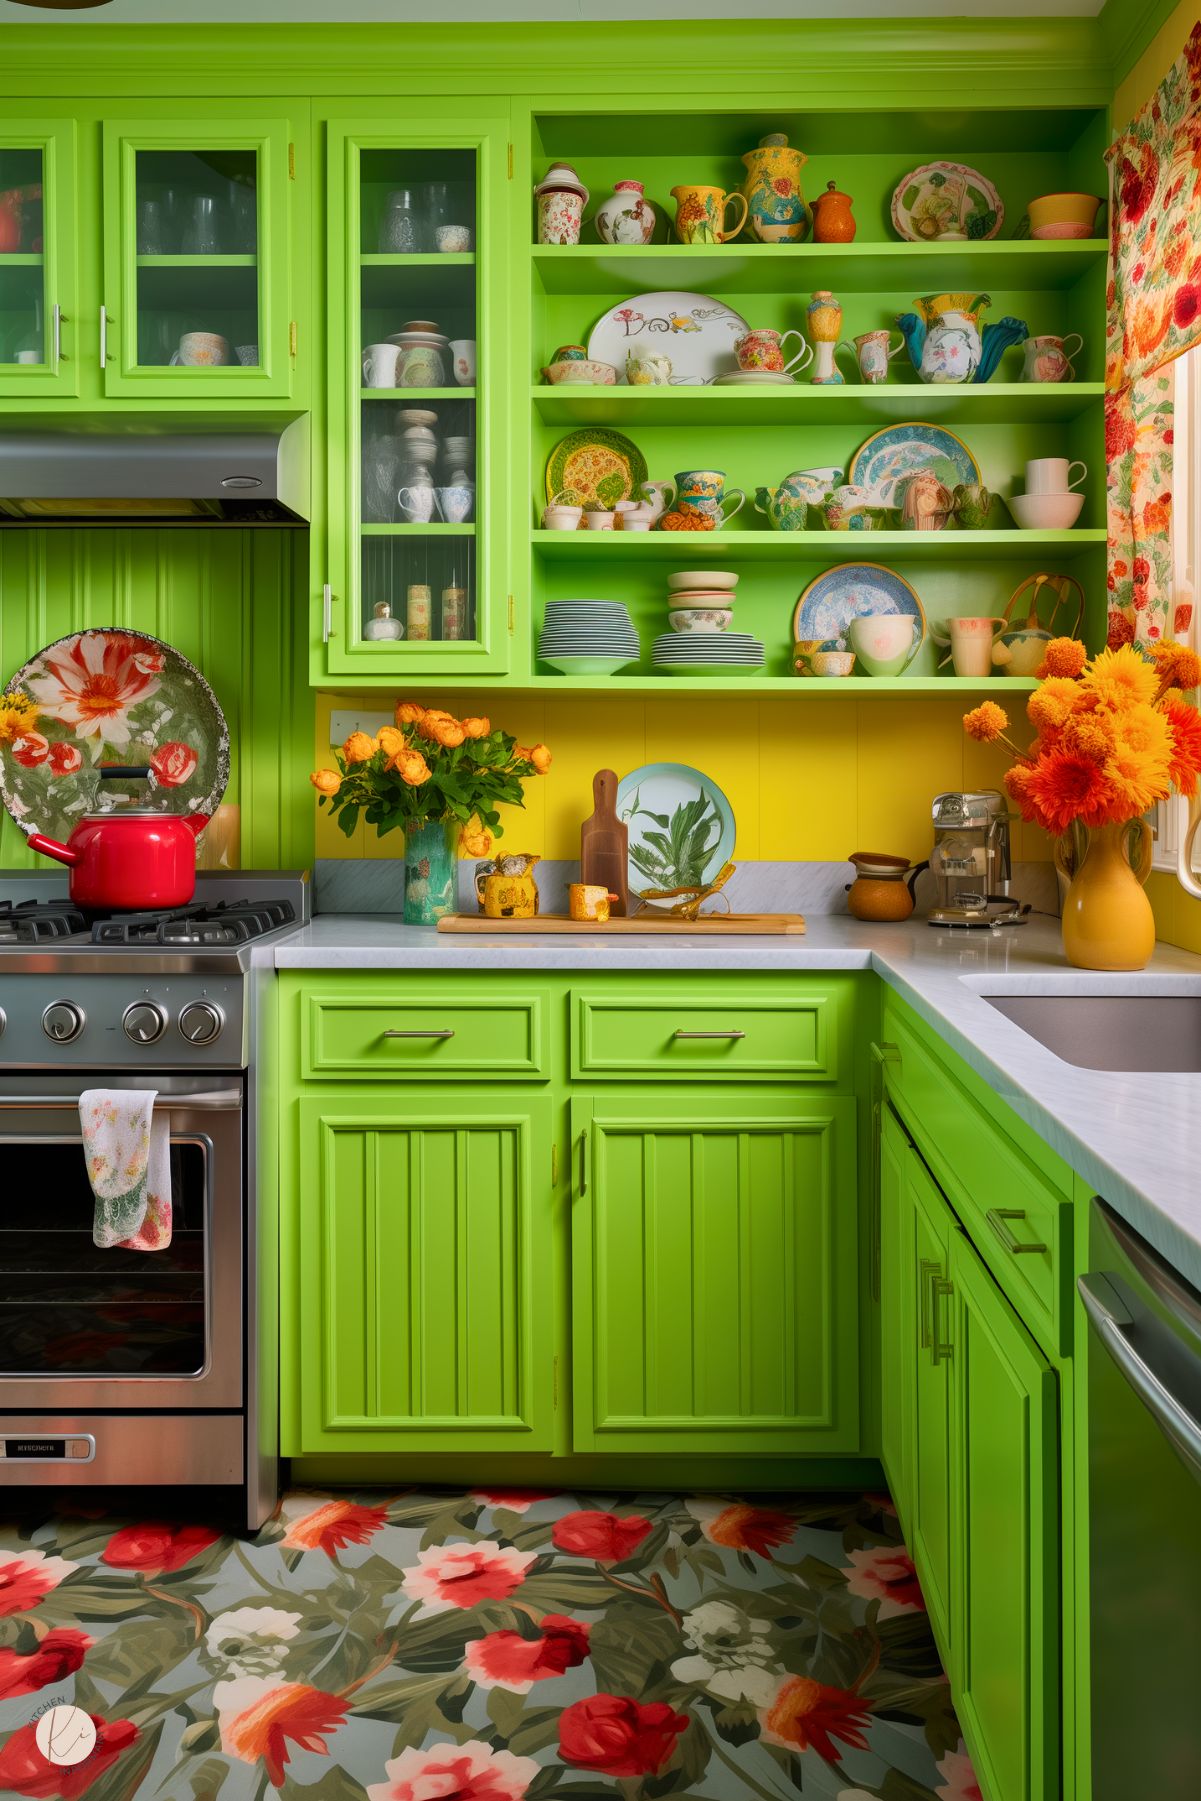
column 124, row 1368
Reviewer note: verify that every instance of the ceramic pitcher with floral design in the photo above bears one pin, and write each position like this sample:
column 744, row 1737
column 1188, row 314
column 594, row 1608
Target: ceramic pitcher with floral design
column 776, row 206
column 701, row 213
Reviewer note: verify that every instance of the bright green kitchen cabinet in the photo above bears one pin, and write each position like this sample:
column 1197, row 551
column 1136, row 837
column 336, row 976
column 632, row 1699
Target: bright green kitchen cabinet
column 417, row 455
column 928, row 1223
column 897, row 1307
column 421, row 1314
column 713, row 1255
column 197, row 239
column 1006, row 1493
column 39, row 344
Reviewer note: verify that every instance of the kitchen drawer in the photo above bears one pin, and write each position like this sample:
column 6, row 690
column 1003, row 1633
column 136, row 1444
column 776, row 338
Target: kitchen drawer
column 701, row 1037
column 428, row 1036
column 1019, row 1222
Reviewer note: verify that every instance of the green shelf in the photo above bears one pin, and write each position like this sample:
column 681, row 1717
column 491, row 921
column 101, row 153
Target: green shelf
column 197, row 262
column 814, row 547
column 804, row 404
column 862, row 267
column 859, row 687
column 22, row 259
column 414, row 396
column 436, row 528
column 387, row 259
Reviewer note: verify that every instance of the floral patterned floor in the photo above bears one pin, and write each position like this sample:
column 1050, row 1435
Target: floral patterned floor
column 481, row 1647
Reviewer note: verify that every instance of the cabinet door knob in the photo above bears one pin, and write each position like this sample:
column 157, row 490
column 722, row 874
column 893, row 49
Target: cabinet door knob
column 998, row 1218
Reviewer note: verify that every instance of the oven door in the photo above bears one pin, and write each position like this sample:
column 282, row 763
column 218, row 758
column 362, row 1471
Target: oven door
column 83, row 1328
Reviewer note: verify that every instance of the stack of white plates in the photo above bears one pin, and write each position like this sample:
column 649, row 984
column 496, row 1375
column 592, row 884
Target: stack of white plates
column 707, row 653
column 587, row 637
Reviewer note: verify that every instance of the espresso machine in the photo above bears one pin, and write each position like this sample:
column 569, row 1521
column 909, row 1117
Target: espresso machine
column 970, row 862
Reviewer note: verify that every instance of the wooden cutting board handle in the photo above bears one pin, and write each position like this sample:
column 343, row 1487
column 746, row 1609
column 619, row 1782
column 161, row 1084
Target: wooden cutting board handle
column 604, row 844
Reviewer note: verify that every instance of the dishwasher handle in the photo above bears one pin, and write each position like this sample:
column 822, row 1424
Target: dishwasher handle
column 1110, row 1320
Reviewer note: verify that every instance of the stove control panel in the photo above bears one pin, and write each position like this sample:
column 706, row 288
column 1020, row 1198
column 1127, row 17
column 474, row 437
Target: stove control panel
column 165, row 1021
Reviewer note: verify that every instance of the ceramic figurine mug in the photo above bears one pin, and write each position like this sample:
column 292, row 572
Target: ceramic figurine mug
column 701, row 213
column 704, row 490
column 1049, row 359
column 764, row 349
column 873, row 351
column 646, row 369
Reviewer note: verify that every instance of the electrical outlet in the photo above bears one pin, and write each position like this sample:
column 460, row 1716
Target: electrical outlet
column 342, row 724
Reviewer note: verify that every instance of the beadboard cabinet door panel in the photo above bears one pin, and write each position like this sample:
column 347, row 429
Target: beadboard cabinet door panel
column 715, row 1283
column 422, row 1318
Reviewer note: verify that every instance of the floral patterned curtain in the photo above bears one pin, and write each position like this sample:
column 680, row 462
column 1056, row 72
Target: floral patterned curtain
column 1154, row 315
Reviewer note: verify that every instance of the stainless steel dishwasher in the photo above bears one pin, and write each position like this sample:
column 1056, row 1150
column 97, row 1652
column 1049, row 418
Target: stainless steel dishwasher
column 1144, row 1466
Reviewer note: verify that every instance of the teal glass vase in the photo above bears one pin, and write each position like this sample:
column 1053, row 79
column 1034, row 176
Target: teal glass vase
column 429, row 871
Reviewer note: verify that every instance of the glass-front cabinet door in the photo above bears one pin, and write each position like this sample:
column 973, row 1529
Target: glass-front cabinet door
column 416, row 262
column 196, row 298
column 38, row 230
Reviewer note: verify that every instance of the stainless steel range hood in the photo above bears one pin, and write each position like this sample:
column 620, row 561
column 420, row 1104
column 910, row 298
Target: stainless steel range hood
column 143, row 478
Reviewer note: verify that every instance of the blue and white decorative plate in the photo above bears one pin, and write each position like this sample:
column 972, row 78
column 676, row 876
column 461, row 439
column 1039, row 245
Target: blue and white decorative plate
column 852, row 591
column 894, row 453
column 681, row 827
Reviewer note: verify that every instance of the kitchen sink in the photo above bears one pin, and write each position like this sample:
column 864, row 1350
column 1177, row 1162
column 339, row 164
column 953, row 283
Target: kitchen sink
column 1137, row 1032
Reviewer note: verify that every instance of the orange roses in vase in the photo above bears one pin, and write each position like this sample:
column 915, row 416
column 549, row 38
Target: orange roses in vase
column 1115, row 735
column 439, row 780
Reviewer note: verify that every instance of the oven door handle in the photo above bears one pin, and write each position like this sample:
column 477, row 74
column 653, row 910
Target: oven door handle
column 222, row 1100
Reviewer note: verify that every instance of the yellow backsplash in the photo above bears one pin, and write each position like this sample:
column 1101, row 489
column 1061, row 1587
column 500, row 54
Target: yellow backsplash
column 809, row 781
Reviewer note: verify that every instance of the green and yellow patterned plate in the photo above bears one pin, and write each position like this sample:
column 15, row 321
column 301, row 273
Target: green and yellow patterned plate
column 599, row 464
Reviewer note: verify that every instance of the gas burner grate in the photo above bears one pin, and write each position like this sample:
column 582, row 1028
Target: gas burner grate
column 228, row 922
column 38, row 922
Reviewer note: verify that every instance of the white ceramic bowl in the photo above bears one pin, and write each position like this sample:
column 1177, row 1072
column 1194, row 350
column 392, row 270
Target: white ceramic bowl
column 700, row 619
column 583, row 372
column 1046, row 512
column 702, row 578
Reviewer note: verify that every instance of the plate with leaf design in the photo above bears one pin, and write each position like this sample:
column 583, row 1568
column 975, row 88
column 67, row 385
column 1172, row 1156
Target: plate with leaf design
column 947, row 202
column 598, row 464
column 680, row 824
column 108, row 695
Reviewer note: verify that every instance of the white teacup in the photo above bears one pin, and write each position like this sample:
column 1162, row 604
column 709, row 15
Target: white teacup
column 462, row 351
column 202, row 350
column 1053, row 475
column 971, row 641
column 884, row 643
column 379, row 365
column 417, row 503
column 560, row 517
column 455, row 502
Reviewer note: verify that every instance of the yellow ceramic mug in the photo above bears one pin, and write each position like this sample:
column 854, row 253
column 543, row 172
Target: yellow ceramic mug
column 587, row 900
column 701, row 212
column 508, row 891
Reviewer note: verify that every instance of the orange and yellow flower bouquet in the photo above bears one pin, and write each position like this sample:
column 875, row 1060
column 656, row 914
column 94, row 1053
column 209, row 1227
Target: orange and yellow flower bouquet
column 1115, row 734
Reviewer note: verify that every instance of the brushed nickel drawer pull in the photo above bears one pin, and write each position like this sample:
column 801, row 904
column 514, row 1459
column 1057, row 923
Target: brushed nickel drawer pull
column 997, row 1218
column 682, row 1034
column 446, row 1032
column 941, row 1349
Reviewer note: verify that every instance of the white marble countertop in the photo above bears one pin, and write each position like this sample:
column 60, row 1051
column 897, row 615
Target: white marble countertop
column 1136, row 1138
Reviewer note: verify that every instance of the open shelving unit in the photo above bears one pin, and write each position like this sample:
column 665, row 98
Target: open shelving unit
column 758, row 435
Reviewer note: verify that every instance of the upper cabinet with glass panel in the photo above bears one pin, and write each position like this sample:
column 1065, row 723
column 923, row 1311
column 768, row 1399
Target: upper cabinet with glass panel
column 196, row 258
column 37, row 261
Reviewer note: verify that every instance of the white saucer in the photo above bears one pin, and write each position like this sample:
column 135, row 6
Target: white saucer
column 737, row 378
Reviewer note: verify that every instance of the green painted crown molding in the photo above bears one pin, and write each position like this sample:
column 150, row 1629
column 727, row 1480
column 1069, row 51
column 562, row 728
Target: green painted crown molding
column 908, row 64
column 1127, row 27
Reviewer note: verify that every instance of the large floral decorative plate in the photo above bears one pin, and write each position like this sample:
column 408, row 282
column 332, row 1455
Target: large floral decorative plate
column 948, row 201
column 697, row 332
column 852, row 591
column 681, row 827
column 596, row 464
column 108, row 696
column 888, row 456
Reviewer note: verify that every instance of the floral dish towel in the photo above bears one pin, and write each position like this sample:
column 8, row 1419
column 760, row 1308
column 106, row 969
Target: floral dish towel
column 128, row 1152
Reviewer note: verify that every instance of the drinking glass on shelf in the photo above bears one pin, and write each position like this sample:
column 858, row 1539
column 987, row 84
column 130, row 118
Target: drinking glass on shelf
column 243, row 216
column 202, row 236
column 437, row 200
column 171, row 202
column 152, row 236
column 401, row 224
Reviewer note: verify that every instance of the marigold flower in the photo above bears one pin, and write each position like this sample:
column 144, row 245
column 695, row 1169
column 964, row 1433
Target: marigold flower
column 17, row 714
column 477, row 728
column 409, row 713
column 1088, row 735
column 1063, row 656
column 449, row 733
column 359, row 748
column 475, row 843
column 1051, row 706
column 326, row 781
column 985, row 722
column 1137, row 777
column 1062, row 788
column 411, row 767
column 1016, row 783
column 1143, row 728
column 540, row 757
column 1120, row 677
column 391, row 740
column 1184, row 724
column 427, row 725
column 1176, row 665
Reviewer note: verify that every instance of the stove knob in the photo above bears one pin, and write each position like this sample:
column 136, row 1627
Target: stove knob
column 144, row 1021
column 62, row 1021
column 200, row 1022
column 3, row 1021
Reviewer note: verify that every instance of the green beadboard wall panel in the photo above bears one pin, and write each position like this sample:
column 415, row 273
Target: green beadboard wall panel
column 232, row 602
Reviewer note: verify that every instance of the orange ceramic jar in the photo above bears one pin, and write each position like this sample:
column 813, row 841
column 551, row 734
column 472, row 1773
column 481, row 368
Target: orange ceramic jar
column 833, row 222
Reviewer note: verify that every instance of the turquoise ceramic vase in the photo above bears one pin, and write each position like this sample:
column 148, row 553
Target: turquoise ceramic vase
column 429, row 872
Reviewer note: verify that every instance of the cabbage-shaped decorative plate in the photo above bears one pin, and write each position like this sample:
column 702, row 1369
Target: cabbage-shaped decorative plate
column 946, row 201
column 599, row 464
column 108, row 696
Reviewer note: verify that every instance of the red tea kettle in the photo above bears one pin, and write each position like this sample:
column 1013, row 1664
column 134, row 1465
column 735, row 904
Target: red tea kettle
column 132, row 860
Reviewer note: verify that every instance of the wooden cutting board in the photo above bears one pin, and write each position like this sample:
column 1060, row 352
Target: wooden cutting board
column 712, row 925
column 604, row 844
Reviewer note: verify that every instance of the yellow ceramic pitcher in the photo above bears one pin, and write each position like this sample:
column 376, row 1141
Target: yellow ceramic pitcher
column 505, row 887
column 701, row 212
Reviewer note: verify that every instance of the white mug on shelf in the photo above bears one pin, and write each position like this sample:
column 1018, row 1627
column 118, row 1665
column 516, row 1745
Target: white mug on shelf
column 1053, row 475
column 379, row 365
column 417, row 503
column 462, row 351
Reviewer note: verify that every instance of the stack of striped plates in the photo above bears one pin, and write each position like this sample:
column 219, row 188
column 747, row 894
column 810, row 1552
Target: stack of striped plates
column 587, row 637
column 707, row 653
